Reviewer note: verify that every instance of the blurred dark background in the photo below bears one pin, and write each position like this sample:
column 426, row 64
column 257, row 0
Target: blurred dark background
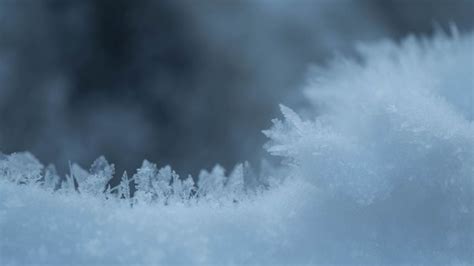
column 188, row 83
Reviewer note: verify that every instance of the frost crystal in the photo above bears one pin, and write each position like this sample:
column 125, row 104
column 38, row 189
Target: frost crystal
column 211, row 185
column 51, row 178
column 21, row 168
column 124, row 187
column 399, row 116
column 101, row 173
column 143, row 180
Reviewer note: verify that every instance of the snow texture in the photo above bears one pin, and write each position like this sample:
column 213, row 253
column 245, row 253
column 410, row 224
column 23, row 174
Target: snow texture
column 380, row 172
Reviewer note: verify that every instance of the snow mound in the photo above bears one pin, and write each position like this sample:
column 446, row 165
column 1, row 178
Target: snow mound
column 391, row 152
column 381, row 173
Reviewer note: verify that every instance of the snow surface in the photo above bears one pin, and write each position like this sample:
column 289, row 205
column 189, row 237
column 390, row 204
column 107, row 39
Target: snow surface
column 380, row 172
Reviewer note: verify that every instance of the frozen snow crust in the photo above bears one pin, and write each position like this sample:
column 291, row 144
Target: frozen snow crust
column 380, row 172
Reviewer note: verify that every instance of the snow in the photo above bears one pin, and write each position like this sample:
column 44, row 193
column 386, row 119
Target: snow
column 392, row 151
column 42, row 227
column 381, row 171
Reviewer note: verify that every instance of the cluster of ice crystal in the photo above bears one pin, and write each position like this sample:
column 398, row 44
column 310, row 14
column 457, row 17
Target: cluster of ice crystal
column 149, row 185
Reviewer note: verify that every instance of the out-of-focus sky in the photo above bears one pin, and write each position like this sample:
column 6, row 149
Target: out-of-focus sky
column 187, row 83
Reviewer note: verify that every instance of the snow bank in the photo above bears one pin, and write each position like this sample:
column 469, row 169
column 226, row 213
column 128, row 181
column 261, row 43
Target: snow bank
column 392, row 153
column 381, row 173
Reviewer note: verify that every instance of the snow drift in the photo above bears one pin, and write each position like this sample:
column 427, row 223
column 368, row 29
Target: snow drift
column 391, row 155
column 380, row 172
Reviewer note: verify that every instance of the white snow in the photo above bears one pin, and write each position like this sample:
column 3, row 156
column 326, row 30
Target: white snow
column 380, row 172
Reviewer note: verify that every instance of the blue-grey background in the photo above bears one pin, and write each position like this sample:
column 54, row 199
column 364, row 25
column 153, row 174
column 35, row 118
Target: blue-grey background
column 187, row 83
